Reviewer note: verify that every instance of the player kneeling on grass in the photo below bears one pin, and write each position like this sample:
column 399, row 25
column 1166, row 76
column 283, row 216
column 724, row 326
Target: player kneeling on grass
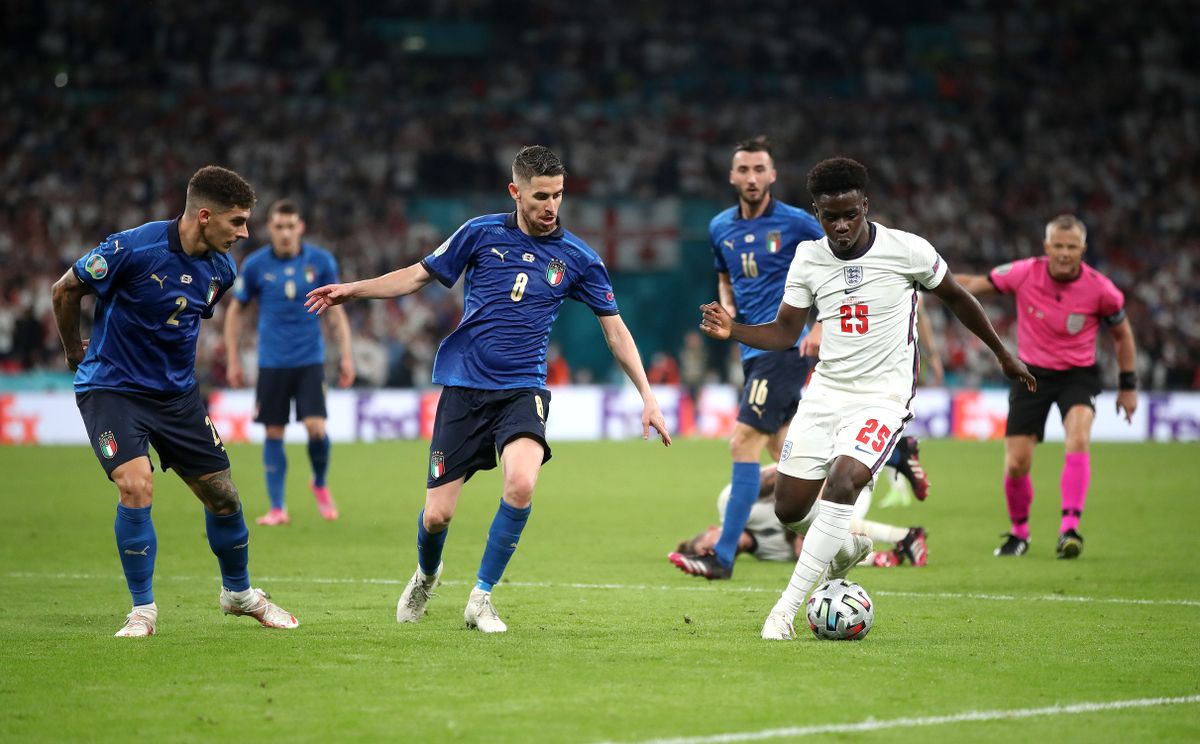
column 768, row 539
column 520, row 269
column 135, row 382
column 863, row 278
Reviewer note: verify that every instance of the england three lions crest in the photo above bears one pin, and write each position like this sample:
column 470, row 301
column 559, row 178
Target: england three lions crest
column 853, row 274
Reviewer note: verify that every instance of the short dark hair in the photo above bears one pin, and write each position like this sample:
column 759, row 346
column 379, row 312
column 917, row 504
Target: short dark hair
column 761, row 143
column 214, row 186
column 536, row 160
column 837, row 176
column 283, row 206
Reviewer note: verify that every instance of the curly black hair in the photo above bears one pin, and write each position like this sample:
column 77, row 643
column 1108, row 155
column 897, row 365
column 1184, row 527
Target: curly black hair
column 536, row 160
column 837, row 176
column 220, row 188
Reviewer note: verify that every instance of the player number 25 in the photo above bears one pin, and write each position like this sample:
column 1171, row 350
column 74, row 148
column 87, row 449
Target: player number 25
column 518, row 290
column 854, row 319
column 881, row 436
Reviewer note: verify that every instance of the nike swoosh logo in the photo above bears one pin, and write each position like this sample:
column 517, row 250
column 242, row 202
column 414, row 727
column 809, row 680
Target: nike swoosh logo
column 860, row 449
column 848, row 291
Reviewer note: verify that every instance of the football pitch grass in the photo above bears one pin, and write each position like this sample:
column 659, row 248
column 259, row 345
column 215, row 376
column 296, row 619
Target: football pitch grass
column 607, row 641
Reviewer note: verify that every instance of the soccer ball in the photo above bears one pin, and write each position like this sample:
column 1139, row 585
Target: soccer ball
column 840, row 611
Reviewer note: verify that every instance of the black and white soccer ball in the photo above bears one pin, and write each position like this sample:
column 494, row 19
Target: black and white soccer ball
column 840, row 611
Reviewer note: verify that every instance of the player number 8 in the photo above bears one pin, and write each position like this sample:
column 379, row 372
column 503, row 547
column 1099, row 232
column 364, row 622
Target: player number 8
column 518, row 290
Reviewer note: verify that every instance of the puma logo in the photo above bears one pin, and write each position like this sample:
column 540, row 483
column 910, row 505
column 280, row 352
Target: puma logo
column 498, row 253
column 728, row 244
column 757, row 410
column 141, row 552
column 160, row 281
column 117, row 246
column 239, row 547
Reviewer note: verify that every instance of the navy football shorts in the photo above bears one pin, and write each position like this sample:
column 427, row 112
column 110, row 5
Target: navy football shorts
column 123, row 426
column 772, row 389
column 1066, row 388
column 278, row 387
column 472, row 427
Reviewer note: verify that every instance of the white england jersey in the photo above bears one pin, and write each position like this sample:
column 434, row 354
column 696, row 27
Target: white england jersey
column 867, row 304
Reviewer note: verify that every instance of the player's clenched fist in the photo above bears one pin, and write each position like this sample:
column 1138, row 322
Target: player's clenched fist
column 715, row 321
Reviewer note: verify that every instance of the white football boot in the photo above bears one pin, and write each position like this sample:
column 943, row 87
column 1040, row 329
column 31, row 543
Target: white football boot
column 848, row 556
column 257, row 605
column 415, row 596
column 139, row 623
column 778, row 627
column 481, row 614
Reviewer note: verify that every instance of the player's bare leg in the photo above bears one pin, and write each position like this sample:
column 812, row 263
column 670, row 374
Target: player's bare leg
column 433, row 523
column 137, row 544
column 318, row 455
column 230, row 543
column 1018, row 492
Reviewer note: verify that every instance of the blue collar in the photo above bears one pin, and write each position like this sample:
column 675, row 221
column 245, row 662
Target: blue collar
column 511, row 223
column 770, row 210
column 173, row 239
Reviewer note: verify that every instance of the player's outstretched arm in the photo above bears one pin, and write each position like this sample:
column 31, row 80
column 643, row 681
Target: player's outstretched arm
column 777, row 335
column 624, row 350
column 926, row 338
column 339, row 328
column 725, row 293
column 393, row 284
column 67, row 294
column 968, row 310
column 977, row 284
column 232, row 331
column 1127, row 398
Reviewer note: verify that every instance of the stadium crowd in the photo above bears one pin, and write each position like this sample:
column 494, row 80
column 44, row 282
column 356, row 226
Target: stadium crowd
column 979, row 121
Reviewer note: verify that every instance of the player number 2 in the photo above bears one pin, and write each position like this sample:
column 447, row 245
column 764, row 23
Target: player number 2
column 749, row 267
column 881, row 436
column 213, row 429
column 854, row 319
column 758, row 392
column 518, row 290
column 174, row 319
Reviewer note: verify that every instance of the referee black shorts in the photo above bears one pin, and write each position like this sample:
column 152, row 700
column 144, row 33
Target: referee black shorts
column 1027, row 412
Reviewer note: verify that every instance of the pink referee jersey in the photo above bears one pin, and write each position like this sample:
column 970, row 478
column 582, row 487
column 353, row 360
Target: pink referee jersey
column 1057, row 321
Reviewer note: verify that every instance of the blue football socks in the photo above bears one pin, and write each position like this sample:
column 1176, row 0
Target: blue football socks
column 318, row 455
column 230, row 543
column 137, row 545
column 502, row 541
column 429, row 546
column 275, row 467
column 742, row 495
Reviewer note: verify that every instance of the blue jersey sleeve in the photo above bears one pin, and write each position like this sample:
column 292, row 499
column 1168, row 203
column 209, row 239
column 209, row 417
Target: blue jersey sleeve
column 594, row 289
column 102, row 267
column 447, row 263
column 718, row 257
column 246, row 287
column 329, row 271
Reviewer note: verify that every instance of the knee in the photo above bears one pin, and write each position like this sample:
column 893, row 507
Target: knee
column 518, row 490
column 1078, row 443
column 1017, row 466
column 840, row 491
column 436, row 518
column 136, row 489
column 746, row 444
column 316, row 429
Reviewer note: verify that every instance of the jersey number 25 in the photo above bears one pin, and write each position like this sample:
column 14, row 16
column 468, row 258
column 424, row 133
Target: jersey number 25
column 854, row 319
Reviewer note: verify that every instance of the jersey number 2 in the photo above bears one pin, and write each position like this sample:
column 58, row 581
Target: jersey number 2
column 182, row 303
column 854, row 319
column 881, row 436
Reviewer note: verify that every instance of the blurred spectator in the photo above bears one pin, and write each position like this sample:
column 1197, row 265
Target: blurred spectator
column 557, row 371
column 663, row 369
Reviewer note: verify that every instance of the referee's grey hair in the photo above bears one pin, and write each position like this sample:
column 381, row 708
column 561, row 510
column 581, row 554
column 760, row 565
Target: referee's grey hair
column 1067, row 222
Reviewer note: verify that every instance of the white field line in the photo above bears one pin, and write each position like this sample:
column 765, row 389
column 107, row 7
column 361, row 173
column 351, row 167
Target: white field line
column 718, row 589
column 970, row 716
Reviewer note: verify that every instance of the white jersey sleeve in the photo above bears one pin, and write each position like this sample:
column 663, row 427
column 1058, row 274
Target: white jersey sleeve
column 798, row 290
column 927, row 267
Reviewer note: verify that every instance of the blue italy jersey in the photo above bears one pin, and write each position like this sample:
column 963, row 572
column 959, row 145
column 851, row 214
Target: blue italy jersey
column 514, row 289
column 288, row 335
column 150, row 297
column 756, row 254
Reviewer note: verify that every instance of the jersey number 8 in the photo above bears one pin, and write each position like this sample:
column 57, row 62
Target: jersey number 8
column 518, row 290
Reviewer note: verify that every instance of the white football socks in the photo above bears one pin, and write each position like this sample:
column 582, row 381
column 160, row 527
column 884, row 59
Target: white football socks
column 878, row 531
column 828, row 533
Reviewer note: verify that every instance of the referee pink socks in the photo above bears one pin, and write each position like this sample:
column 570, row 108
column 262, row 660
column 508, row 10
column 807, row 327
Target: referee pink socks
column 1018, row 492
column 1076, row 474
